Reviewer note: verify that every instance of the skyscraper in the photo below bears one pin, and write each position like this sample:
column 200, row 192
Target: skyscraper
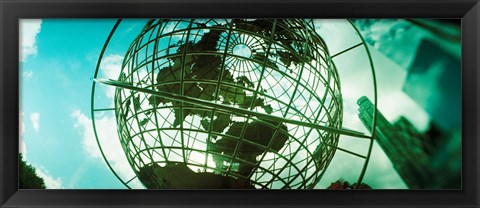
column 403, row 145
column 434, row 82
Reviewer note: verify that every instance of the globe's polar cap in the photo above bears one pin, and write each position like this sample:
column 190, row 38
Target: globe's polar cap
column 278, row 68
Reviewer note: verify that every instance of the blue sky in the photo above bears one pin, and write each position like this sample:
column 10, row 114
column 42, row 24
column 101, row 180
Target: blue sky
column 57, row 64
column 56, row 79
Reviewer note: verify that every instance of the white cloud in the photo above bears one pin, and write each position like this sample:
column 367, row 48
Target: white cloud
column 35, row 119
column 28, row 74
column 110, row 68
column 337, row 33
column 21, row 144
column 111, row 65
column 23, row 148
column 84, row 125
column 29, row 28
column 107, row 131
column 106, row 126
column 50, row 181
column 379, row 172
column 76, row 177
column 394, row 37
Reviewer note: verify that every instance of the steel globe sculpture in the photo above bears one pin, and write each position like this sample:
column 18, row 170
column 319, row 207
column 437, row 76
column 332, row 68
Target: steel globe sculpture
column 229, row 104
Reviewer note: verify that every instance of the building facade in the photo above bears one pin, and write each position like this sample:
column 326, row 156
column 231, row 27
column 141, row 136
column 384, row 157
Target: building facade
column 403, row 145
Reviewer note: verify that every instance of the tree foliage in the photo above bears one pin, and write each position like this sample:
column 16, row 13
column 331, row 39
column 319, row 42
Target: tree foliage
column 342, row 184
column 27, row 176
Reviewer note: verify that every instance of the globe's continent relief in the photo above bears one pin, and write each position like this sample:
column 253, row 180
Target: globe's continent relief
column 210, row 67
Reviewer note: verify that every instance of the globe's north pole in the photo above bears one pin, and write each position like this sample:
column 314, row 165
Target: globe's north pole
column 266, row 68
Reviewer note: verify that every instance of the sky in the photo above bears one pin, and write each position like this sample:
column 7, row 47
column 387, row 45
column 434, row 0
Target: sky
column 57, row 64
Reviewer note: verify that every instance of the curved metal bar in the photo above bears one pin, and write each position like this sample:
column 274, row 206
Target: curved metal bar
column 374, row 124
column 92, row 105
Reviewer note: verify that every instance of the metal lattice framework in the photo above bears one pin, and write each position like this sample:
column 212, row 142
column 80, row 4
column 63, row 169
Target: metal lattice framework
column 245, row 103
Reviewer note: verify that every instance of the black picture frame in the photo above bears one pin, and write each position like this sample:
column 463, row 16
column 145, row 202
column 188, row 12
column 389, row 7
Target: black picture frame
column 12, row 10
